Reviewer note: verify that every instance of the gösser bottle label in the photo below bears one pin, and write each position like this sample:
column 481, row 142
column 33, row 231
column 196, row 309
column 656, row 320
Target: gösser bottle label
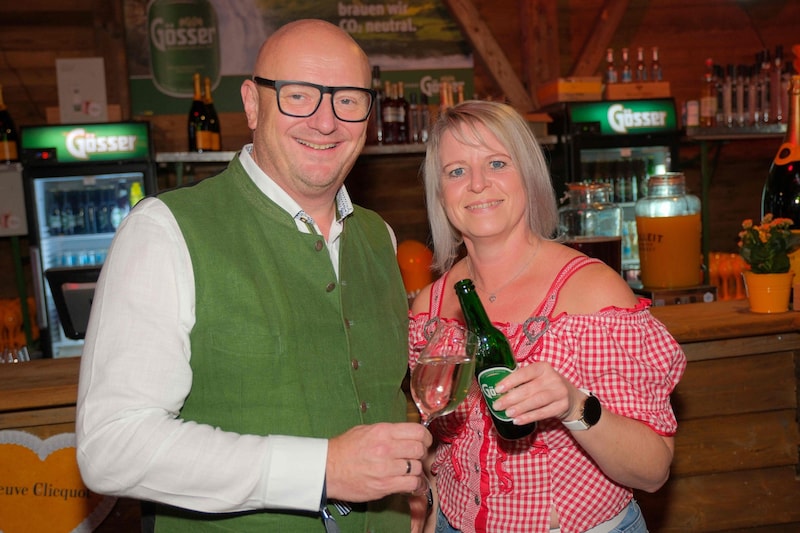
column 184, row 39
column 487, row 379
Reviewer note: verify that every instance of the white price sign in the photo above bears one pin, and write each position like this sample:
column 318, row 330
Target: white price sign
column 13, row 220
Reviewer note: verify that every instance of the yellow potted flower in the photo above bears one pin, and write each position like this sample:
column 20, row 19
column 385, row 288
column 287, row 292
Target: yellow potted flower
column 765, row 248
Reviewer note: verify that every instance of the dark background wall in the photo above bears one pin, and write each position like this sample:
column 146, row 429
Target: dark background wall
column 536, row 39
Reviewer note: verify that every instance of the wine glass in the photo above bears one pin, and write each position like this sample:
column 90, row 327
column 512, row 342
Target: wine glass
column 443, row 374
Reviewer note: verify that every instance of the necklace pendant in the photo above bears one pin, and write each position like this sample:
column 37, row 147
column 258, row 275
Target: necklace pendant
column 492, row 298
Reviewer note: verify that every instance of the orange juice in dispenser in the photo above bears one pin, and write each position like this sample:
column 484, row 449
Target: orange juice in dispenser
column 669, row 229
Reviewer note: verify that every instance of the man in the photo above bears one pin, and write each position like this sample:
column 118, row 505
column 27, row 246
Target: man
column 248, row 335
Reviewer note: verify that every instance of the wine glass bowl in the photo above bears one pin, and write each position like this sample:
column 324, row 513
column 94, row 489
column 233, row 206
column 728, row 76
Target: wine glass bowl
column 443, row 373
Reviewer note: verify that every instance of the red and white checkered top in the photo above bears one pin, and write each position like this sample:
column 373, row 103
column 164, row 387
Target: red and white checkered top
column 625, row 357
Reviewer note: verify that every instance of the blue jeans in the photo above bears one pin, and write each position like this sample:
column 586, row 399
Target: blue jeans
column 633, row 522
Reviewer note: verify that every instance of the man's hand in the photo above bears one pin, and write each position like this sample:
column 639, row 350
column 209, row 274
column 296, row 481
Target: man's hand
column 369, row 462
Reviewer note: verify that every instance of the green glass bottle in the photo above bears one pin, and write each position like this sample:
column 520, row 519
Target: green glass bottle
column 494, row 359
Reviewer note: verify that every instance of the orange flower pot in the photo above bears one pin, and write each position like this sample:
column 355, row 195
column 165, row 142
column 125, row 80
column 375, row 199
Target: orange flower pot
column 768, row 293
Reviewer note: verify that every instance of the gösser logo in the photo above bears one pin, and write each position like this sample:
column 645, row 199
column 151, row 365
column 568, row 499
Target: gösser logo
column 191, row 32
column 81, row 144
column 621, row 119
column 429, row 86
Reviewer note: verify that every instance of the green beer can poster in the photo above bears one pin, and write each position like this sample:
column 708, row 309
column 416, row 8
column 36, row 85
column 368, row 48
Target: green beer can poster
column 184, row 39
column 167, row 41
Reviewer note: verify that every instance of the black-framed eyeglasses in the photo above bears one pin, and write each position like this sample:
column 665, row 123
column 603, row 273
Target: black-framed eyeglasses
column 301, row 99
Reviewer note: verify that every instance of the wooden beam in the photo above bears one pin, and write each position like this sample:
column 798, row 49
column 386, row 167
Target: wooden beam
column 589, row 59
column 485, row 46
column 539, row 47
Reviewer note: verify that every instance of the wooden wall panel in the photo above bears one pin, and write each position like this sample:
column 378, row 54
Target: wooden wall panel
column 735, row 386
column 724, row 502
column 736, row 442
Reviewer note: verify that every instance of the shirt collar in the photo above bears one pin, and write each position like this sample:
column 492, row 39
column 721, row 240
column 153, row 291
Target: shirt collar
column 344, row 205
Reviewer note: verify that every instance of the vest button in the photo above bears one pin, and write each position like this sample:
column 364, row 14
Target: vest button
column 364, row 406
column 318, row 246
column 330, row 286
column 354, row 364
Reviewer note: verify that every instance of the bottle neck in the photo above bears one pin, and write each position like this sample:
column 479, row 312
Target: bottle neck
column 197, row 94
column 207, row 97
column 793, row 126
column 474, row 313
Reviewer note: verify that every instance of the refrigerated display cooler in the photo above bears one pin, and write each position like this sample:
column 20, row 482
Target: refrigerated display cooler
column 618, row 142
column 80, row 180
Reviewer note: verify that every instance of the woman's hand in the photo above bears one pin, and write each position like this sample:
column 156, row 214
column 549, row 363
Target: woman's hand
column 535, row 392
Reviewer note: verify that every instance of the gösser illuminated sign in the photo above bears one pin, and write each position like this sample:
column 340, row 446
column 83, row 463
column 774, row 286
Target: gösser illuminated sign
column 627, row 117
column 89, row 142
column 622, row 120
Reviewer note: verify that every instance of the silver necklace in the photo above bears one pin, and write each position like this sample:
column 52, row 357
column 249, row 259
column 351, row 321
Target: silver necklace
column 493, row 294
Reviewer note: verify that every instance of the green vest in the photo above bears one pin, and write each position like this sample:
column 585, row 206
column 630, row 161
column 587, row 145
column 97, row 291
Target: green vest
column 280, row 346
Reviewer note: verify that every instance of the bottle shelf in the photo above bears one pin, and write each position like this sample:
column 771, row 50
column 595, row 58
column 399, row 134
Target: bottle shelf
column 393, row 149
column 723, row 133
column 224, row 157
column 419, row 148
column 370, row 149
column 194, row 157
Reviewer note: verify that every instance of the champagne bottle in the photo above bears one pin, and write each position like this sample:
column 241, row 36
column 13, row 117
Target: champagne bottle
column 213, row 119
column 494, row 358
column 782, row 188
column 9, row 142
column 199, row 135
column 445, row 95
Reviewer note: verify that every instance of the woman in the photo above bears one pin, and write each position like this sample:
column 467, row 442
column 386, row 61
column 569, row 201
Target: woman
column 590, row 355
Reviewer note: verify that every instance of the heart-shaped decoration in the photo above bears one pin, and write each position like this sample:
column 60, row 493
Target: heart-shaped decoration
column 41, row 489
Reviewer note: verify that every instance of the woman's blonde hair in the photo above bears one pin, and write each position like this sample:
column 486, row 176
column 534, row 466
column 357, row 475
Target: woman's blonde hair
column 513, row 132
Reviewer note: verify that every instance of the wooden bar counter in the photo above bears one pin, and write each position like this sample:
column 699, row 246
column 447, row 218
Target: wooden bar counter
column 736, row 456
column 736, row 451
column 39, row 397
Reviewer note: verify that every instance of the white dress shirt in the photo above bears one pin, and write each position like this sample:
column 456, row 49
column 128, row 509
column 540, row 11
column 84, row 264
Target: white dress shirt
column 135, row 376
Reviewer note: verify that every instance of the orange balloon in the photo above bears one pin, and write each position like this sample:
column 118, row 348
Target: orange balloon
column 415, row 261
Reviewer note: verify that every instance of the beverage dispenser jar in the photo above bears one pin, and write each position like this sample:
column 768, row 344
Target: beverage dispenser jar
column 592, row 223
column 669, row 228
